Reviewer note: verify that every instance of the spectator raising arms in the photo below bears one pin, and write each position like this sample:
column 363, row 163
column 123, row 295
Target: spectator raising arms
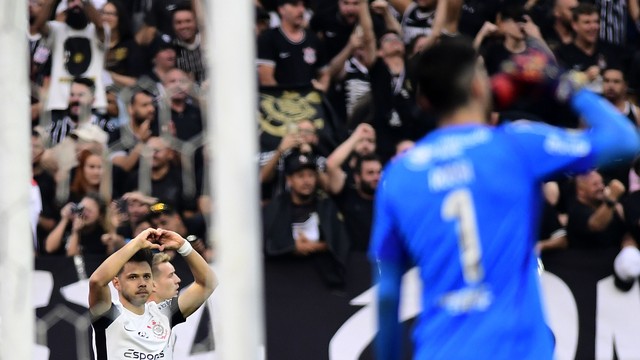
column 290, row 54
column 76, row 51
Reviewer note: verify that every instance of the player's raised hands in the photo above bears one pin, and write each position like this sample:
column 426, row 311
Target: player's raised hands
column 148, row 239
column 169, row 240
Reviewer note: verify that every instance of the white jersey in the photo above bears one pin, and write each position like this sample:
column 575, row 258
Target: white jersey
column 416, row 22
column 121, row 334
column 75, row 53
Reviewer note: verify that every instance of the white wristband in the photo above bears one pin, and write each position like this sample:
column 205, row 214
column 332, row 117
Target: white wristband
column 185, row 249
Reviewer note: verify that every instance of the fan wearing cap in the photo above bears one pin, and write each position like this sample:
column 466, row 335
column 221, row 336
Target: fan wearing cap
column 134, row 209
column 290, row 55
column 304, row 222
column 163, row 60
column 165, row 178
column 90, row 133
column 194, row 229
column 303, row 136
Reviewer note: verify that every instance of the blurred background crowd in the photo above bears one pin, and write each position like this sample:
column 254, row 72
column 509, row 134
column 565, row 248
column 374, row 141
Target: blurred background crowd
column 119, row 118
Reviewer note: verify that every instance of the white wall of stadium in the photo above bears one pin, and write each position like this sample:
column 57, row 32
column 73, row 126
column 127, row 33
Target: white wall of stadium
column 589, row 316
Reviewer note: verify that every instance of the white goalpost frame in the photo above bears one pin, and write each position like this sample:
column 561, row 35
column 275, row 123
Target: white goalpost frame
column 17, row 317
column 232, row 134
column 234, row 150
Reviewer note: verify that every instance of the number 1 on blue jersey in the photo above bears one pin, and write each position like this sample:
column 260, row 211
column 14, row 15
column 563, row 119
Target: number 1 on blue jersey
column 458, row 206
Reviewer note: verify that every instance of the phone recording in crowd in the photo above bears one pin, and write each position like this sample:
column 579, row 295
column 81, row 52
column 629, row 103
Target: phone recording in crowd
column 77, row 209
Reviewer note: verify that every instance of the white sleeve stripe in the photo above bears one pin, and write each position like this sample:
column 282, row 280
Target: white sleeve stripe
column 266, row 62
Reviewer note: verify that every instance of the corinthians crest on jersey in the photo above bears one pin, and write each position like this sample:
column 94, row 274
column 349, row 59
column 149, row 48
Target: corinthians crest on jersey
column 309, row 55
column 122, row 334
column 158, row 330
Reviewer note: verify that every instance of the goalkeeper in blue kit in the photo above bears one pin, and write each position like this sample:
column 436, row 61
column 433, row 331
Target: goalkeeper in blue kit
column 459, row 206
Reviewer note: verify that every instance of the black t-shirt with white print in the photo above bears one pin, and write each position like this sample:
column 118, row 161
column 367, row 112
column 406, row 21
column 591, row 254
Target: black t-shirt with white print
column 296, row 63
column 416, row 21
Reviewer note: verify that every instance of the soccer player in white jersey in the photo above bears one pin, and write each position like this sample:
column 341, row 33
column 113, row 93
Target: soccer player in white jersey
column 137, row 328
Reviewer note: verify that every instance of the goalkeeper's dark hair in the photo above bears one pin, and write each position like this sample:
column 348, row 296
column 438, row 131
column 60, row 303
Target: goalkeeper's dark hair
column 444, row 74
column 143, row 255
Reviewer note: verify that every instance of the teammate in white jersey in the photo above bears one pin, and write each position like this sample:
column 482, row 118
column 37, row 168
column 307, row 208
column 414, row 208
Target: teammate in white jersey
column 137, row 328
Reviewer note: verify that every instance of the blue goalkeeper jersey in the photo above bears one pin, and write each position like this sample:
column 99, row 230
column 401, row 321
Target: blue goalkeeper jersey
column 460, row 205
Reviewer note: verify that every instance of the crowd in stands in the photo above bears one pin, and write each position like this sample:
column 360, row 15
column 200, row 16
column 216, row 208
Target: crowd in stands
column 119, row 124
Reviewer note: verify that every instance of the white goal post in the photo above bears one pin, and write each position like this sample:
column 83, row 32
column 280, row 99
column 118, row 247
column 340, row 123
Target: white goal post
column 17, row 334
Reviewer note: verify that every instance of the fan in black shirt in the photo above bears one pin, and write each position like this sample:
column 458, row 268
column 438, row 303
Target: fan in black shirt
column 290, row 55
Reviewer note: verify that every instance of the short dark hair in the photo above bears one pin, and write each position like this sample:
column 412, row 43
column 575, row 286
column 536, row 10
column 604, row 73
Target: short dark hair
column 291, row 2
column 86, row 82
column 113, row 88
column 583, row 9
column 261, row 14
column 142, row 255
column 139, row 90
column 183, row 6
column 360, row 159
column 444, row 74
column 616, row 68
column 513, row 11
